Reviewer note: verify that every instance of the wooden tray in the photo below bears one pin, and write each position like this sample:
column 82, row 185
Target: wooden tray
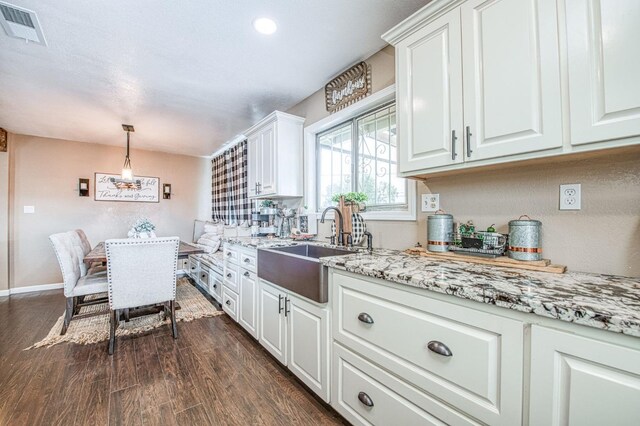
column 543, row 265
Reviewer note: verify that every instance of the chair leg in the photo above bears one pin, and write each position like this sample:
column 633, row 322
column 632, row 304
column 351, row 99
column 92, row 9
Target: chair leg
column 112, row 331
column 68, row 313
column 76, row 307
column 126, row 315
column 174, row 328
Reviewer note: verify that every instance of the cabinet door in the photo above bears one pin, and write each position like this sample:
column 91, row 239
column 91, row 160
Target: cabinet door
column 429, row 68
column 253, row 164
column 248, row 310
column 604, row 66
column 580, row 381
column 308, row 344
column 272, row 322
column 511, row 77
column 267, row 180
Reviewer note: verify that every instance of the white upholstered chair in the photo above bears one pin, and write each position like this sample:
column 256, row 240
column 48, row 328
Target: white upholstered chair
column 96, row 267
column 78, row 283
column 141, row 272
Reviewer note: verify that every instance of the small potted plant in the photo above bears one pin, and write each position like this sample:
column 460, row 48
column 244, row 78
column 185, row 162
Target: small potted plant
column 143, row 228
column 354, row 199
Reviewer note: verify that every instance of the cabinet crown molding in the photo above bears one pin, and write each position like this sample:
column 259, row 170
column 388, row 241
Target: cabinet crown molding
column 428, row 13
column 274, row 116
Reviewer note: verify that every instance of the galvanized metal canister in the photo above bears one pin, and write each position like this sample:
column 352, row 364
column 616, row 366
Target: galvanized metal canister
column 525, row 239
column 439, row 231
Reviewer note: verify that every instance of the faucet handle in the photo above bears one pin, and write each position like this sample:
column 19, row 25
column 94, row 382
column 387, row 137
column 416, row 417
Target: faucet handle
column 333, row 239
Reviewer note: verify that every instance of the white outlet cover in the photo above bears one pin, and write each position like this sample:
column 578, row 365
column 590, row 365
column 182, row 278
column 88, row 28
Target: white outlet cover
column 29, row 209
column 570, row 196
column 430, row 202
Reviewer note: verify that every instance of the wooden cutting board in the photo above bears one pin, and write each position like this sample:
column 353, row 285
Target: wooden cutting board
column 543, row 265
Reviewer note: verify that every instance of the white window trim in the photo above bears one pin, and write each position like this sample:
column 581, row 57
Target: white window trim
column 377, row 99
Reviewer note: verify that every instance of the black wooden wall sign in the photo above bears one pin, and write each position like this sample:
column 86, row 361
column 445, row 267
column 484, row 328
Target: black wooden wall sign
column 349, row 87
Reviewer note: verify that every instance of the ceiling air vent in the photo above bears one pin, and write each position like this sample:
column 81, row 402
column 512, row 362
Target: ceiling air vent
column 21, row 23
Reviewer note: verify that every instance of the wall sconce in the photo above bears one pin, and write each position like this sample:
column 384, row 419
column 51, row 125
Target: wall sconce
column 83, row 187
column 166, row 191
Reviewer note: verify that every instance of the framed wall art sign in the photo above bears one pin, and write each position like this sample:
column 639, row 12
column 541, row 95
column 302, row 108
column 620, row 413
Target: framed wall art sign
column 349, row 87
column 105, row 190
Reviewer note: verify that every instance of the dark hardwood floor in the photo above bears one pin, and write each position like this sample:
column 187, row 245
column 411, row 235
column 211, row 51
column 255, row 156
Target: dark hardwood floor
column 214, row 373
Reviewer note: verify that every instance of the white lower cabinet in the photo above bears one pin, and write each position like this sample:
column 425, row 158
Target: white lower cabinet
column 470, row 359
column 248, row 309
column 576, row 380
column 295, row 332
column 365, row 394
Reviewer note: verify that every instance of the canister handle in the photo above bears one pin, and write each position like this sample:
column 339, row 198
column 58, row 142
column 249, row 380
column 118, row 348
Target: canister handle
column 524, row 215
column 440, row 211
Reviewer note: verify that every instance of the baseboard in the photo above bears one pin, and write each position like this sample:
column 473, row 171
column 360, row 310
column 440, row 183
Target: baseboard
column 33, row 288
column 4, row 293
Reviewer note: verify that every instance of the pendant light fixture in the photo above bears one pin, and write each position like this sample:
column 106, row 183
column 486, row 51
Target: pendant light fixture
column 127, row 181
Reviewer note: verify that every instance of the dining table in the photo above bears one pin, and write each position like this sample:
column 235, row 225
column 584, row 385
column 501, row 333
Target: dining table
column 98, row 253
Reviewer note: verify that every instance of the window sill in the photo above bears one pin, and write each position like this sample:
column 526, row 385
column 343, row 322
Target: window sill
column 373, row 216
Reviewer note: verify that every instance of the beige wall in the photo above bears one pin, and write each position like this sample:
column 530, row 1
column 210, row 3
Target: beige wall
column 603, row 237
column 45, row 175
column 4, row 220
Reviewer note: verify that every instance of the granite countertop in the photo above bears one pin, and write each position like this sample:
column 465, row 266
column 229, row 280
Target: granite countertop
column 607, row 302
column 270, row 242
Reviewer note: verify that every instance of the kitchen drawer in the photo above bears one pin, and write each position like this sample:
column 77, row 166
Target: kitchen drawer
column 230, row 303
column 469, row 358
column 215, row 285
column 183, row 265
column 230, row 254
column 194, row 268
column 203, row 278
column 231, row 276
column 248, row 260
column 393, row 402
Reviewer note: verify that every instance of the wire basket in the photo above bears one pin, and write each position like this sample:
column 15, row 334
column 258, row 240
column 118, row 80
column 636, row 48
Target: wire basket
column 491, row 244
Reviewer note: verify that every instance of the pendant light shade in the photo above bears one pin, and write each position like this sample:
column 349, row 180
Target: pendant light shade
column 127, row 181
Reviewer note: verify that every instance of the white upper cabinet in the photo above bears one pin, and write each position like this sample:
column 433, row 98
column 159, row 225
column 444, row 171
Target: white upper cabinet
column 275, row 157
column 511, row 77
column 483, row 82
column 430, row 95
column 604, row 69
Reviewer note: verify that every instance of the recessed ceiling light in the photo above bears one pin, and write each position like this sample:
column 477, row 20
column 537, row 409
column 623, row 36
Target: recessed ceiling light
column 265, row 26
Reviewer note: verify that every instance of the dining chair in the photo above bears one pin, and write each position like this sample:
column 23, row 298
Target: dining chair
column 96, row 267
column 78, row 282
column 141, row 272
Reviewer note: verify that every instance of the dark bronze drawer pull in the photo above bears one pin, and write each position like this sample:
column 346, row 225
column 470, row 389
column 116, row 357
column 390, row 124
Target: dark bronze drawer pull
column 229, row 275
column 365, row 399
column 439, row 348
column 228, row 302
column 246, row 274
column 247, row 260
column 365, row 318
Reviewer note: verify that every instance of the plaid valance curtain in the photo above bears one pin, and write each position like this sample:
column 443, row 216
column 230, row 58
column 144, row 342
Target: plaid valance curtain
column 230, row 196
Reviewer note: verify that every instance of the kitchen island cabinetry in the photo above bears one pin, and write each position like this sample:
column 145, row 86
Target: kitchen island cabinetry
column 274, row 154
column 580, row 381
column 295, row 332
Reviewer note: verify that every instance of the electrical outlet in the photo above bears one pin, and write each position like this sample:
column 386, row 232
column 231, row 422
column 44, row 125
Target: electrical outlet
column 29, row 209
column 430, row 202
column 570, row 196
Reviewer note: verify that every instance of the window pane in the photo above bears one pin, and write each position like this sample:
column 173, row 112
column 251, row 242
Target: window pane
column 377, row 165
column 335, row 149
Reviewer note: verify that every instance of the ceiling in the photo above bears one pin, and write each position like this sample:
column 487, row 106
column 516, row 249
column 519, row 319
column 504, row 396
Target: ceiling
column 189, row 75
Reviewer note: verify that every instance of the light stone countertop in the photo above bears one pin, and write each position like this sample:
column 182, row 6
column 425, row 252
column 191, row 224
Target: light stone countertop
column 607, row 302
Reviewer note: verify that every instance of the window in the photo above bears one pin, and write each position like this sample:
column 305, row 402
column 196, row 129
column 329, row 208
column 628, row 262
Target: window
column 360, row 155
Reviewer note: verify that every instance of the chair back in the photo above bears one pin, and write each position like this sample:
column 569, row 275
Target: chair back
column 141, row 271
column 70, row 255
column 86, row 245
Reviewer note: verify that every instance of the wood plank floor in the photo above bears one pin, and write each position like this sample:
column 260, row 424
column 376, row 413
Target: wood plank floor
column 215, row 373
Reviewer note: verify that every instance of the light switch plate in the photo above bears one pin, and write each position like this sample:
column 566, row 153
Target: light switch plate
column 430, row 202
column 29, row 209
column 570, row 196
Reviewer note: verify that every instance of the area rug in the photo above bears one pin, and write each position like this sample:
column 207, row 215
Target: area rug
column 94, row 329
